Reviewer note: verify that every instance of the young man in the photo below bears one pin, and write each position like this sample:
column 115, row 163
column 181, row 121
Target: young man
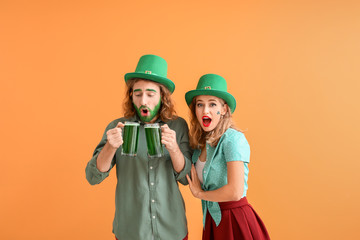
column 149, row 205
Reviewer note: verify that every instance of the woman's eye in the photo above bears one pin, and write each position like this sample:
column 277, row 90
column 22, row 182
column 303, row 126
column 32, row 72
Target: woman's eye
column 199, row 105
column 212, row 104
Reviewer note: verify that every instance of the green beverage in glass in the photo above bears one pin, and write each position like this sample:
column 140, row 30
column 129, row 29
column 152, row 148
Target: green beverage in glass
column 130, row 138
column 153, row 140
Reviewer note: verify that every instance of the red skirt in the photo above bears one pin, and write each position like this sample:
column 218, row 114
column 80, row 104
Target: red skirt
column 239, row 221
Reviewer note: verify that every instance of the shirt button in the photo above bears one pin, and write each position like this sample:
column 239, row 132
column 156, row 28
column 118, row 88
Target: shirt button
column 153, row 217
column 204, row 171
column 151, row 167
column 152, row 184
column 152, row 200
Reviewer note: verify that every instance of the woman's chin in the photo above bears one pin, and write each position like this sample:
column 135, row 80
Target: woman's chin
column 206, row 129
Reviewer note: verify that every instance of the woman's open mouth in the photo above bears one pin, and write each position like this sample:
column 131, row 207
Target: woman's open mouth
column 144, row 112
column 206, row 121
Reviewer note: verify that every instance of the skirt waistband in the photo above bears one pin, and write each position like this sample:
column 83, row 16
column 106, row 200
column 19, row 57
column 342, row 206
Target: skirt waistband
column 233, row 204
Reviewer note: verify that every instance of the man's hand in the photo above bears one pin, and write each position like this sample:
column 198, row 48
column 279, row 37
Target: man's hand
column 168, row 138
column 114, row 136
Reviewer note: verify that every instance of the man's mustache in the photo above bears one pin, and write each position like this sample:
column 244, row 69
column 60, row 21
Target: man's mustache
column 144, row 107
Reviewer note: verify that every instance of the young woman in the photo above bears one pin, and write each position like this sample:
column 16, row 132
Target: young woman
column 221, row 159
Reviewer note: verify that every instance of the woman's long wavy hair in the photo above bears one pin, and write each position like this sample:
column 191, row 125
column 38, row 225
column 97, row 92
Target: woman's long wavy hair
column 167, row 109
column 198, row 137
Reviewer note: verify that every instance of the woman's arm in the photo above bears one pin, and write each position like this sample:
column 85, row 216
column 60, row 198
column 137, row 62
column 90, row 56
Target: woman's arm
column 232, row 191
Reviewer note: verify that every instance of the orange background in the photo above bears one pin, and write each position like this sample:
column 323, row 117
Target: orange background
column 293, row 67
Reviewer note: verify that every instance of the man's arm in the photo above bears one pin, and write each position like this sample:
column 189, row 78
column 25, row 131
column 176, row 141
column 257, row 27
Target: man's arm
column 114, row 141
column 102, row 161
column 168, row 138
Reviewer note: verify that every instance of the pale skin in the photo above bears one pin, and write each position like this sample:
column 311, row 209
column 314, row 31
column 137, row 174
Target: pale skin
column 145, row 93
column 213, row 107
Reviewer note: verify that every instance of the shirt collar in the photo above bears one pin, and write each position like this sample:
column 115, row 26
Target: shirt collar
column 136, row 118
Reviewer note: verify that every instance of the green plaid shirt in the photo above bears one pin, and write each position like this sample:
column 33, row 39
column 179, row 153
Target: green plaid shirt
column 147, row 199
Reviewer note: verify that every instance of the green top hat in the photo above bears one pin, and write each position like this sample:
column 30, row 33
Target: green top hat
column 214, row 85
column 154, row 68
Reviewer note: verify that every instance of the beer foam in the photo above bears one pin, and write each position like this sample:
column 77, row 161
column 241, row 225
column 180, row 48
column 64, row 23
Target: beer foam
column 153, row 125
column 132, row 123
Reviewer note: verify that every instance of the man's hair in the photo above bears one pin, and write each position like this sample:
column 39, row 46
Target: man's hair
column 198, row 137
column 167, row 109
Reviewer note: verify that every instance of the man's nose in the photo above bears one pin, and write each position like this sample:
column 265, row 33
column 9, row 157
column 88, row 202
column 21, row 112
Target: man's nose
column 143, row 100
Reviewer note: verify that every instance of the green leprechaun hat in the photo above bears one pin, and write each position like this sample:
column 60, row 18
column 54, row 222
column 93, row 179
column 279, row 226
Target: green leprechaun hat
column 154, row 68
column 214, row 85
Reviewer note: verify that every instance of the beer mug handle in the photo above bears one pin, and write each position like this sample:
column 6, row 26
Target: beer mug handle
column 160, row 128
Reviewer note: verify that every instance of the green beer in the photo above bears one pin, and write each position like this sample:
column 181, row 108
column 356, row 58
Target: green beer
column 153, row 140
column 130, row 138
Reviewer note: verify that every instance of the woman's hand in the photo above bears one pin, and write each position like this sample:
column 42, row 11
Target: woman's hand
column 194, row 183
column 114, row 136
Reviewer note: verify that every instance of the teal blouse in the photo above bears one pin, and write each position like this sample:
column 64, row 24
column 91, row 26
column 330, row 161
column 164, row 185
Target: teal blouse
column 232, row 146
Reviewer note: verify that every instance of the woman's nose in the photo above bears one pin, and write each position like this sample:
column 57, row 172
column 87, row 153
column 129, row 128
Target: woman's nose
column 206, row 110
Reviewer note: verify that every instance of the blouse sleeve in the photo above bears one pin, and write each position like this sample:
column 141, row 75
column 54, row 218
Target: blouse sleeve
column 236, row 148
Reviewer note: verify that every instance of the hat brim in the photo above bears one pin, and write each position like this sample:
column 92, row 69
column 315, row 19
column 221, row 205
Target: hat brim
column 166, row 82
column 227, row 97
